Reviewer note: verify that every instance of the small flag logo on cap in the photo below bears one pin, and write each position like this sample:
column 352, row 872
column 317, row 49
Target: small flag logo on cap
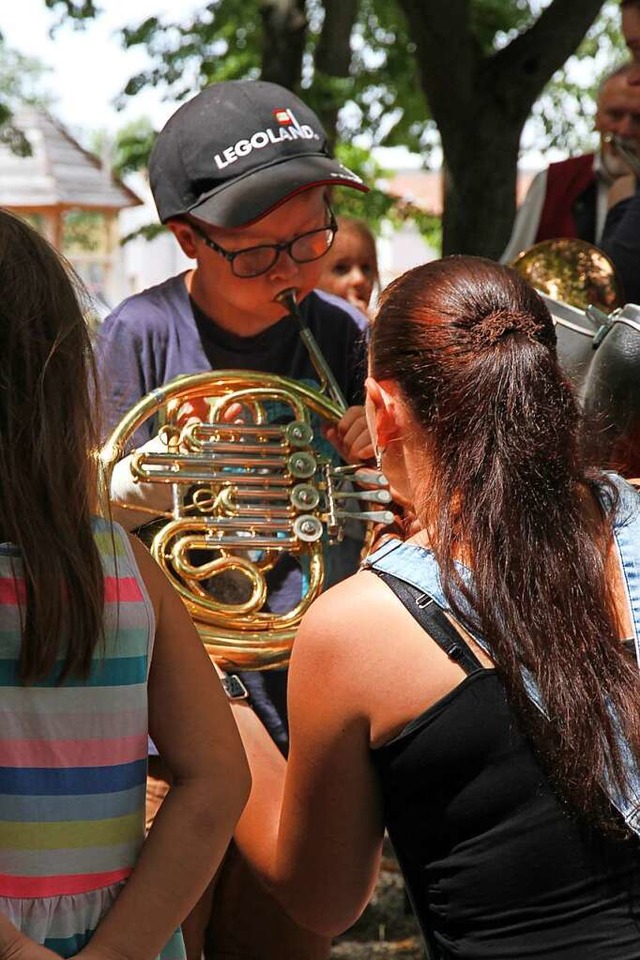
column 284, row 117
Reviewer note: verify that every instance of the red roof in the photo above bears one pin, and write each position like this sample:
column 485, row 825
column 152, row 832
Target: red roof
column 424, row 188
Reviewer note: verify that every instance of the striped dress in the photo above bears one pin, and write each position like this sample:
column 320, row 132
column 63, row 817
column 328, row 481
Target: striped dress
column 73, row 762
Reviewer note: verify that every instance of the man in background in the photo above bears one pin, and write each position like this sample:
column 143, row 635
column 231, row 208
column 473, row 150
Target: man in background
column 573, row 198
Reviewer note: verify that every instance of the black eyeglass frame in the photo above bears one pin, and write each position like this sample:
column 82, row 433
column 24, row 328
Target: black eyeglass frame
column 277, row 248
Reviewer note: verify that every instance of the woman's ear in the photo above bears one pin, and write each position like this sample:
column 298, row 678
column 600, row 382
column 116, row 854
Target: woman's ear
column 387, row 410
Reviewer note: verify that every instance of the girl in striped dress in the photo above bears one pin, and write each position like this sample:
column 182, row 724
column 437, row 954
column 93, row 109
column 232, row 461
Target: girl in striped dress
column 96, row 651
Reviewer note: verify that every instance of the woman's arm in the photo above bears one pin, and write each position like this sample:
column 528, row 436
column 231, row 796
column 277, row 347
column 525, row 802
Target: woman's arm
column 191, row 723
column 313, row 827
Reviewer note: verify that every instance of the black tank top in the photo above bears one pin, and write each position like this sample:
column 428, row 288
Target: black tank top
column 494, row 866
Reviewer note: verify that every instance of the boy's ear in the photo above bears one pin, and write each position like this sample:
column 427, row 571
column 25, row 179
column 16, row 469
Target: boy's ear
column 185, row 237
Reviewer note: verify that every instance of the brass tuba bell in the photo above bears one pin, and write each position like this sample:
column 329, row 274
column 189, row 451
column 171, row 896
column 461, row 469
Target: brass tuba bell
column 582, row 289
column 573, row 272
column 598, row 342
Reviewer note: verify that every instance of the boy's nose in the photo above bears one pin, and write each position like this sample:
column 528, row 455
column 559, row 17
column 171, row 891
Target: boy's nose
column 284, row 267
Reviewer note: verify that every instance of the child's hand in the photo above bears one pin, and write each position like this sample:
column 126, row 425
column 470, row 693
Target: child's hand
column 350, row 436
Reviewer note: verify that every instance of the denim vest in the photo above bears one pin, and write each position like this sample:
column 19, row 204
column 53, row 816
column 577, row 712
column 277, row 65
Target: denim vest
column 418, row 566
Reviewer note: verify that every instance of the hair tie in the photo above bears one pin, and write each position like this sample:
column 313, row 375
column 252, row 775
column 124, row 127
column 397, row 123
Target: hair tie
column 497, row 325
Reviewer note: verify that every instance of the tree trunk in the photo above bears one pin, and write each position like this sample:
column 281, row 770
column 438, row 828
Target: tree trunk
column 332, row 62
column 481, row 103
column 284, row 32
column 480, row 186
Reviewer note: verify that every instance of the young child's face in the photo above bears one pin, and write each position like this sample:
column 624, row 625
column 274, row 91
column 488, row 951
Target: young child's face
column 248, row 305
column 349, row 270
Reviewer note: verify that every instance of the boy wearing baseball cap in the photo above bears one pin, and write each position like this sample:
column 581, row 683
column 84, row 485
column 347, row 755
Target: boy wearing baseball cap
column 242, row 175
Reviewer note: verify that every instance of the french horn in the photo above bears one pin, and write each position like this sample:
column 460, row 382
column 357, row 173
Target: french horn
column 247, row 490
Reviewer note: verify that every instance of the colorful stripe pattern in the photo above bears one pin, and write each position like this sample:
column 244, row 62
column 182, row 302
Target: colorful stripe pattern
column 73, row 763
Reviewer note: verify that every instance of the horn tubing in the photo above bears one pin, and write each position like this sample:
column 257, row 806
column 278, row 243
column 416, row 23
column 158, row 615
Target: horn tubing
column 626, row 152
column 324, row 371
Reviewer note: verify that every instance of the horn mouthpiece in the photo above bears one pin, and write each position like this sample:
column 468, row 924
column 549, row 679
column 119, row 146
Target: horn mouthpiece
column 289, row 299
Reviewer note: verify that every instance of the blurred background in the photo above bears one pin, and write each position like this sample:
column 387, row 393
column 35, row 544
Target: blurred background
column 446, row 108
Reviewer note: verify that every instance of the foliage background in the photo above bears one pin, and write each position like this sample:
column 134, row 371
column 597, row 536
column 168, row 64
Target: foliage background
column 362, row 66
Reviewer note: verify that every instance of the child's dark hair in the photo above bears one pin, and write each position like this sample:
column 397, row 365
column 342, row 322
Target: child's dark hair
column 48, row 442
column 472, row 347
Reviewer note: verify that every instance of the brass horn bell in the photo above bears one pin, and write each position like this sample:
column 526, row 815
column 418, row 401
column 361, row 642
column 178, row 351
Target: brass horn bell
column 245, row 493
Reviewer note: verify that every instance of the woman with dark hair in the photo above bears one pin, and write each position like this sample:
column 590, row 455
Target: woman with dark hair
column 479, row 691
column 96, row 651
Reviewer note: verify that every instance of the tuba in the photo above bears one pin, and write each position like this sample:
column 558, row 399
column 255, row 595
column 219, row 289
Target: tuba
column 580, row 285
column 249, row 487
column 598, row 337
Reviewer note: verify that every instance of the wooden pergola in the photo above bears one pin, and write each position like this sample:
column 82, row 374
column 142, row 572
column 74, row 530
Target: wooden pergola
column 68, row 194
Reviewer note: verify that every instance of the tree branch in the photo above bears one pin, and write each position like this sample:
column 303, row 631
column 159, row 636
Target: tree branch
column 75, row 9
column 285, row 26
column 455, row 75
column 332, row 62
column 447, row 52
column 524, row 67
column 333, row 52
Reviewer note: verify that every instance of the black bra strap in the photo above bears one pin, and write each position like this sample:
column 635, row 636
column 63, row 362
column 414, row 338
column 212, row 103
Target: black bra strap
column 432, row 618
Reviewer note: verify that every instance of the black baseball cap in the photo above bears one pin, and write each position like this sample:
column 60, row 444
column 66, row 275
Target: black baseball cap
column 238, row 150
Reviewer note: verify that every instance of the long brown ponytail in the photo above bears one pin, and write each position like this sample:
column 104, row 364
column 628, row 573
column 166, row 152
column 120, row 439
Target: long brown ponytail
column 471, row 346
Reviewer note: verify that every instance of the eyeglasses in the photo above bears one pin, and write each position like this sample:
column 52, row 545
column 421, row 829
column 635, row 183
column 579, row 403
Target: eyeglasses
column 254, row 261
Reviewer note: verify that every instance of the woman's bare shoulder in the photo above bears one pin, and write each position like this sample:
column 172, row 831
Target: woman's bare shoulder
column 347, row 621
column 360, row 598
column 367, row 660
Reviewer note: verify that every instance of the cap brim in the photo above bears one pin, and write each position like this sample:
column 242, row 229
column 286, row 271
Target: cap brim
column 254, row 195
